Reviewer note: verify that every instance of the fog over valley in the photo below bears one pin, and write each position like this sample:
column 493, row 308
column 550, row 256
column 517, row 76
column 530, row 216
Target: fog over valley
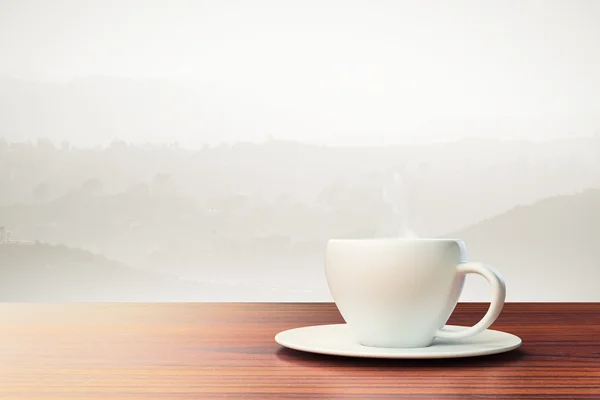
column 256, row 217
column 207, row 151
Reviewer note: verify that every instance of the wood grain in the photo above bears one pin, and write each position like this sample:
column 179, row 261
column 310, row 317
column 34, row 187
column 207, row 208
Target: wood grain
column 221, row 350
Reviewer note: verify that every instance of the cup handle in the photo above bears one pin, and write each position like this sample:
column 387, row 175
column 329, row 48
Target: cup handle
column 498, row 296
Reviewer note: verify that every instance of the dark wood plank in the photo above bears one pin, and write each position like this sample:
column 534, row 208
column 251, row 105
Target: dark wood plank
column 214, row 351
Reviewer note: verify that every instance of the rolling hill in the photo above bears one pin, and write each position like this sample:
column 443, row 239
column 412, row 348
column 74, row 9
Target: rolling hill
column 47, row 273
column 42, row 272
column 547, row 251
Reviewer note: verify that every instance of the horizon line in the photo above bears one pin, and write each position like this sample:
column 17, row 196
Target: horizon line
column 272, row 139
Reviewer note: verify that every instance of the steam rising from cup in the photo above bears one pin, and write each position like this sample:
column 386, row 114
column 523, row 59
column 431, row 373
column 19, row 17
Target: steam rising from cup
column 395, row 197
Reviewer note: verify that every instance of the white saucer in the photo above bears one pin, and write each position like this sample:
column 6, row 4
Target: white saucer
column 338, row 340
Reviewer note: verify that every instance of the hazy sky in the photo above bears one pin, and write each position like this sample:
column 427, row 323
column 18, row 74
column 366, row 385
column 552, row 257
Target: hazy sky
column 347, row 66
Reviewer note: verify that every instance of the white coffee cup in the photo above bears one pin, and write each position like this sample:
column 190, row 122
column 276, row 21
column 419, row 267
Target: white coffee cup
column 399, row 293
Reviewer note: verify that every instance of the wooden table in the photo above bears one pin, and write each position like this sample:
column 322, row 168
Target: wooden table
column 226, row 351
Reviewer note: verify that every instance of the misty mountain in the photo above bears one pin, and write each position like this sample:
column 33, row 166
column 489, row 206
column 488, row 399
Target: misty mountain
column 550, row 244
column 447, row 186
column 76, row 170
column 42, row 272
column 54, row 273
